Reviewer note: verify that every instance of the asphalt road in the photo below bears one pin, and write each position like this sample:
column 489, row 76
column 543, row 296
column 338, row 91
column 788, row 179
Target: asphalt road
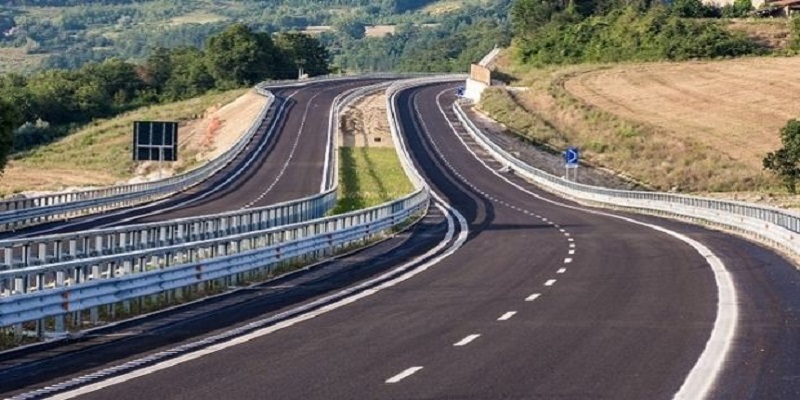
column 289, row 166
column 542, row 301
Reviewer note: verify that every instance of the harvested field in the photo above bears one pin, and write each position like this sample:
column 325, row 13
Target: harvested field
column 735, row 107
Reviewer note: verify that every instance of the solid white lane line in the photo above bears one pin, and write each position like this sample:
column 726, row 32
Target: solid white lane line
column 571, row 252
column 561, row 271
column 533, row 297
column 567, row 260
column 403, row 375
column 550, row 282
column 507, row 316
column 465, row 341
column 706, row 371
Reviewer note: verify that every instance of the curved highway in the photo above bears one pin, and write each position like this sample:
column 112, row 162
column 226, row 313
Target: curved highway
column 284, row 162
column 544, row 299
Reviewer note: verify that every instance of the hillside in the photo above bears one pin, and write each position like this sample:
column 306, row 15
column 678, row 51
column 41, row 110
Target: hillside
column 68, row 33
column 100, row 154
column 691, row 127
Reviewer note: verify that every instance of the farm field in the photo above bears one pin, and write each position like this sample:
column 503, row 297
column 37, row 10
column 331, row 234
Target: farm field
column 695, row 127
column 733, row 107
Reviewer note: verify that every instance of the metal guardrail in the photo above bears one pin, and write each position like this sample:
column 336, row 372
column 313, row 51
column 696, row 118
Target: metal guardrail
column 46, row 293
column 57, row 289
column 771, row 225
column 17, row 213
column 40, row 250
column 21, row 212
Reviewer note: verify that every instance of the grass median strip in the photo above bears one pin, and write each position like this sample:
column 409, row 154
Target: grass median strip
column 368, row 177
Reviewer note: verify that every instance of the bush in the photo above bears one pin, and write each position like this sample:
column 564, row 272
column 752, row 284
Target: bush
column 634, row 36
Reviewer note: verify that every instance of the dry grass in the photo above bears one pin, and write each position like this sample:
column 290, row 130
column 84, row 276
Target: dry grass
column 443, row 7
column 700, row 127
column 199, row 17
column 365, row 124
column 379, row 30
column 770, row 32
column 14, row 59
column 100, row 153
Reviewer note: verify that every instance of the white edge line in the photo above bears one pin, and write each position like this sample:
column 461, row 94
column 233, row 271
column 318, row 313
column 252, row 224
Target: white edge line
column 706, row 371
column 442, row 205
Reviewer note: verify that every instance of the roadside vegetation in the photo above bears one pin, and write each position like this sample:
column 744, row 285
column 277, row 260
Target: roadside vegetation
column 100, row 152
column 369, row 176
column 634, row 118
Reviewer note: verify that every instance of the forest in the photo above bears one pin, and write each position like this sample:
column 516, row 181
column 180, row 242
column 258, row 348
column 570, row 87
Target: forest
column 50, row 103
column 102, row 57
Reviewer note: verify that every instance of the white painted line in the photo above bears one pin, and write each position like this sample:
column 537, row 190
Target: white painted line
column 567, row 260
column 572, row 245
column 533, row 297
column 570, row 240
column 562, row 230
column 706, row 371
column 403, row 375
column 465, row 341
column 460, row 240
column 550, row 282
column 507, row 316
column 571, row 252
column 566, row 233
column 561, row 271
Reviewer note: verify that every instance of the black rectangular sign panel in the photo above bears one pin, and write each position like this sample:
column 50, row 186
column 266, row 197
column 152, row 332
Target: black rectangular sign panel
column 155, row 141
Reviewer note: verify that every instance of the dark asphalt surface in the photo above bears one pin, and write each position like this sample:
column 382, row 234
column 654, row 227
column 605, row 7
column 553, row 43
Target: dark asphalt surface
column 626, row 319
column 290, row 166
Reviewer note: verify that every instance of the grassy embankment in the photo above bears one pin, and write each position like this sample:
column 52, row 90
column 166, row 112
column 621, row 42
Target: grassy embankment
column 100, row 153
column 642, row 124
column 368, row 177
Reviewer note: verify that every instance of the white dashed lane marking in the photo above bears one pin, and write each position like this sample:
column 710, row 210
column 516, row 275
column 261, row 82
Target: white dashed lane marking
column 533, row 297
column 567, row 260
column 507, row 316
column 465, row 341
column 561, row 271
column 550, row 282
column 403, row 375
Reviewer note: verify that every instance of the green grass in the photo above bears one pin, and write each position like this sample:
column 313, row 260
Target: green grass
column 368, row 177
column 101, row 150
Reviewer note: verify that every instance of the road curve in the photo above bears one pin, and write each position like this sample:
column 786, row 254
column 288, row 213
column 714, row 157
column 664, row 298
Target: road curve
column 289, row 166
column 542, row 301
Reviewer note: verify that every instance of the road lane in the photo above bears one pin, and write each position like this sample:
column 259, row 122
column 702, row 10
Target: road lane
column 288, row 171
column 628, row 322
column 625, row 318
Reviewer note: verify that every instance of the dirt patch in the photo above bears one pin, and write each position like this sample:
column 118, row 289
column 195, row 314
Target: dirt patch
column 379, row 30
column 99, row 155
column 773, row 33
column 734, row 107
column 364, row 124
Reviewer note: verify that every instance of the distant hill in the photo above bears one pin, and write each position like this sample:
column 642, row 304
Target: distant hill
column 70, row 33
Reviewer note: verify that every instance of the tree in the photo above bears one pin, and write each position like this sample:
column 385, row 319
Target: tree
column 303, row 51
column 785, row 162
column 9, row 118
column 238, row 56
column 351, row 28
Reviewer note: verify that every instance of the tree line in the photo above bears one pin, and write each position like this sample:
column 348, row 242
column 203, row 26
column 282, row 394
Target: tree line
column 51, row 103
column 561, row 32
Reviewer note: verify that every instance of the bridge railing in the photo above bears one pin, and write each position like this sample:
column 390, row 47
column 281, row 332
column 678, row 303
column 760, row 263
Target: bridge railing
column 40, row 250
column 43, row 294
column 773, row 226
column 17, row 213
